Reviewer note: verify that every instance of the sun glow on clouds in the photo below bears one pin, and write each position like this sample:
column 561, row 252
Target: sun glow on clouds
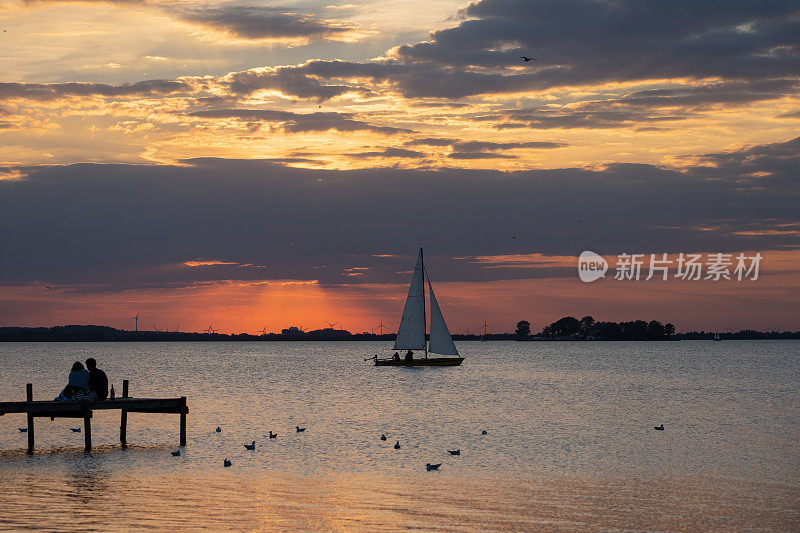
column 202, row 263
column 387, row 86
column 246, row 306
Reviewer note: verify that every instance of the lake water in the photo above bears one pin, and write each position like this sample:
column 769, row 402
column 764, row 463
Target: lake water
column 570, row 444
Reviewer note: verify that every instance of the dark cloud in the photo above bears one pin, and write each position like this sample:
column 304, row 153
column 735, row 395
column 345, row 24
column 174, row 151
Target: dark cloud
column 484, row 146
column 479, row 155
column 292, row 81
column 55, row 91
column 643, row 107
column 707, row 95
column 753, row 48
column 480, row 149
column 389, row 152
column 590, row 41
column 299, row 122
column 134, row 225
column 480, row 146
column 324, row 79
column 201, row 161
column 596, row 119
column 260, row 22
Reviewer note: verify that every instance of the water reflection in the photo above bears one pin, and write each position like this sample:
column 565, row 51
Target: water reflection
column 570, row 442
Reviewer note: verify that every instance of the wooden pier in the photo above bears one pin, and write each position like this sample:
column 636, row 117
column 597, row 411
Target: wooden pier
column 84, row 409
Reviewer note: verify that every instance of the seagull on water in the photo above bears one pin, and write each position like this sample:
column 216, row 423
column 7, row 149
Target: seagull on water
column 397, row 445
column 218, row 430
column 226, row 462
column 659, row 428
column 251, row 446
column 75, row 430
column 526, row 59
column 383, row 437
column 484, row 432
column 430, row 467
column 176, row 453
column 299, row 429
column 272, row 435
column 23, row 430
column 454, row 452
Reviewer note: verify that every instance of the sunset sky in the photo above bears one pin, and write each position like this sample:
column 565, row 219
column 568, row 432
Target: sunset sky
column 245, row 164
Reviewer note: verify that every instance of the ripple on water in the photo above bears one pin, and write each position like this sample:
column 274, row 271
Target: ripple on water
column 570, row 443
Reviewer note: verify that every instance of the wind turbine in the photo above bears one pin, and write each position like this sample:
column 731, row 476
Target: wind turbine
column 263, row 330
column 381, row 327
column 136, row 318
column 155, row 327
column 333, row 325
column 485, row 326
column 177, row 328
column 211, row 329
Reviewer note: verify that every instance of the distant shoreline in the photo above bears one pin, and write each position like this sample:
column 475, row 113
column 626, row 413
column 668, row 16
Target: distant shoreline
column 77, row 333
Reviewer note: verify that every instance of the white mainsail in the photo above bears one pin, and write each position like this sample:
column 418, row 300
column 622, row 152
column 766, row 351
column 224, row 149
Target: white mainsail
column 441, row 342
column 411, row 332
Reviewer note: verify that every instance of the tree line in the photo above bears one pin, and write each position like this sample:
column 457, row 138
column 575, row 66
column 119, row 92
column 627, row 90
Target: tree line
column 587, row 328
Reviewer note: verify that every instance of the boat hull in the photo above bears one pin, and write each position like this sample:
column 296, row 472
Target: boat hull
column 430, row 361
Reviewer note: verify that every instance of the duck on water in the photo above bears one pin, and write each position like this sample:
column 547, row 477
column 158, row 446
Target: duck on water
column 413, row 331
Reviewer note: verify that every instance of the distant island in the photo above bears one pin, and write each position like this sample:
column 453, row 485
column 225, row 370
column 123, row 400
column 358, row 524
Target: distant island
column 564, row 329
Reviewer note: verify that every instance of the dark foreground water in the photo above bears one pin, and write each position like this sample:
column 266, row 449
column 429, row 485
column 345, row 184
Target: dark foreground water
column 570, row 443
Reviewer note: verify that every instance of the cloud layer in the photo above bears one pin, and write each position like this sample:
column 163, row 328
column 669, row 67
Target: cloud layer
column 261, row 22
column 134, row 225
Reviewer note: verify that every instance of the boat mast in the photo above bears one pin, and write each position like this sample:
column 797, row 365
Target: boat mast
column 424, row 318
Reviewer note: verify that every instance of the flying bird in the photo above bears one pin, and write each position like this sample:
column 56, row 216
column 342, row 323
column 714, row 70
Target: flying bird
column 526, row 59
column 430, row 467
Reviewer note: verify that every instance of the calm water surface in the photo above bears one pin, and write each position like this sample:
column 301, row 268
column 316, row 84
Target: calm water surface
column 570, row 444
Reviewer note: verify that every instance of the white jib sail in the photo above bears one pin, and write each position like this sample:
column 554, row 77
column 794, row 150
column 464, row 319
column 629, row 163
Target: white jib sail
column 441, row 341
column 411, row 332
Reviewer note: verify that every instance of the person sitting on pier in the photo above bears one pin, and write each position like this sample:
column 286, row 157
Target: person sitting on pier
column 409, row 355
column 78, row 385
column 98, row 381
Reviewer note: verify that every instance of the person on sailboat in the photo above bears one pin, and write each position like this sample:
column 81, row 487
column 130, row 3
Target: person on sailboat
column 396, row 356
column 409, row 355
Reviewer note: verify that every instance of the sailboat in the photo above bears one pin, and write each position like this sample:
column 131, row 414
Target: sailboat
column 412, row 333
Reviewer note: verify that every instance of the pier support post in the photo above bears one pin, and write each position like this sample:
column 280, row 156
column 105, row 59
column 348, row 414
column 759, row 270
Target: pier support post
column 87, row 428
column 183, row 420
column 123, row 418
column 29, row 397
